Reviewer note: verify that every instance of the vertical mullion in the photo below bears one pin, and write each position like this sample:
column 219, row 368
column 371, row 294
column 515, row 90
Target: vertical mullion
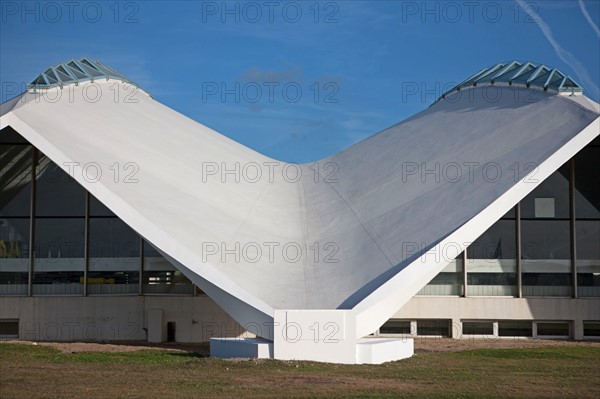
column 573, row 225
column 518, row 249
column 141, row 277
column 464, row 270
column 34, row 156
column 86, row 244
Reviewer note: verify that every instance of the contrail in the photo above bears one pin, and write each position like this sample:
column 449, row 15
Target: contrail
column 586, row 14
column 563, row 54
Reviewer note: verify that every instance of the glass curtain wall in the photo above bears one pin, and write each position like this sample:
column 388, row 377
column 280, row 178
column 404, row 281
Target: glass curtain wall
column 61, row 211
column 16, row 161
column 161, row 277
column 448, row 282
column 546, row 246
column 114, row 248
column 491, row 260
column 587, row 223
column 59, row 231
column 29, row 181
column 546, row 253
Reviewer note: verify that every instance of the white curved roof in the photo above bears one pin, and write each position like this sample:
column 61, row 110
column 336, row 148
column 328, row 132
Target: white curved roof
column 369, row 216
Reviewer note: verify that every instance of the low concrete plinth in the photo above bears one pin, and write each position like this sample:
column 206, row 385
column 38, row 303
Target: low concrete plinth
column 381, row 350
column 366, row 351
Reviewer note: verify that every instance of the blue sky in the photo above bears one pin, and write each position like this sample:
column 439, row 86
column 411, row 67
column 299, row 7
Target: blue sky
column 292, row 82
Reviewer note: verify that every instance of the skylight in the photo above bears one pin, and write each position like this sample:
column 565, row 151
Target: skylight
column 526, row 74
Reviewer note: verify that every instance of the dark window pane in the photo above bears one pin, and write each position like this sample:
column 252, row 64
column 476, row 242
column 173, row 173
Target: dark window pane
column 14, row 256
column 591, row 329
column 14, row 238
column 588, row 258
column 546, row 258
column 59, row 262
column 491, row 265
column 477, row 328
column 114, row 258
column 550, row 199
column 58, row 194
column 161, row 277
column 97, row 208
column 510, row 214
column 553, row 329
column 546, row 239
column 9, row 328
column 515, row 328
column 395, row 327
column 10, row 136
column 498, row 242
column 15, row 180
column 587, row 186
column 448, row 282
column 112, row 243
column 433, row 327
column 59, row 241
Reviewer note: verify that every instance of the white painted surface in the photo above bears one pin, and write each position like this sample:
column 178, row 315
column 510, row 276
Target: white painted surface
column 319, row 335
column 381, row 350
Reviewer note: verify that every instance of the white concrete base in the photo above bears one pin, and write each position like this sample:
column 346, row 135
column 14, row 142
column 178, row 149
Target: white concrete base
column 366, row 350
column 318, row 335
column 381, row 350
column 228, row 348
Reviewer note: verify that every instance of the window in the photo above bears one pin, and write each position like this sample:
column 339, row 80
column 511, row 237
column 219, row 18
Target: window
column 491, row 265
column 440, row 328
column 448, row 282
column 114, row 265
column 9, row 328
column 591, row 329
column 16, row 162
column 59, row 239
column 395, row 327
column 587, row 213
column 477, row 328
column 513, row 328
column 59, row 231
column 546, row 248
column 161, row 277
column 553, row 329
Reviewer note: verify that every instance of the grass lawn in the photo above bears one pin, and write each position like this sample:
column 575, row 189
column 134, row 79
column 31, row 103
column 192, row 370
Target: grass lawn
column 28, row 371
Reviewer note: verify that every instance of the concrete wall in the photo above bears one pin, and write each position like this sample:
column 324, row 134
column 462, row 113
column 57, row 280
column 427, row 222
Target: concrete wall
column 458, row 309
column 197, row 319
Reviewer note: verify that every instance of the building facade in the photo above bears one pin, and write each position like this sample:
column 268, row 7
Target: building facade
column 71, row 269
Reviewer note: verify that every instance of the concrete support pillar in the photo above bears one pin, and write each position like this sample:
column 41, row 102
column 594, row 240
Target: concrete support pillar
column 496, row 329
column 456, row 328
column 413, row 328
column 577, row 329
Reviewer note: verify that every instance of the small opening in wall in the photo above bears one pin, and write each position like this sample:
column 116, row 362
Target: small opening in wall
column 591, row 329
column 171, row 331
column 553, row 329
column 9, row 328
column 515, row 328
